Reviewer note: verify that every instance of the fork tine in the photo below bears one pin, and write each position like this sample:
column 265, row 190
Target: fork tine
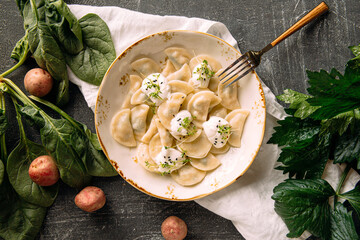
column 241, row 76
column 239, row 71
column 233, row 70
column 233, row 64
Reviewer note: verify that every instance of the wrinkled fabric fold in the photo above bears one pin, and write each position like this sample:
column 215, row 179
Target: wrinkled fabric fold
column 247, row 202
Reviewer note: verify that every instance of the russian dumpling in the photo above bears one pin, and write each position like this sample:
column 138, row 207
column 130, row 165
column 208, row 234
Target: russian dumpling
column 121, row 129
column 208, row 163
column 198, row 148
column 168, row 109
column 200, row 103
column 178, row 56
column 236, row 118
column 138, row 120
column 143, row 157
column 145, row 66
column 188, row 175
column 183, row 74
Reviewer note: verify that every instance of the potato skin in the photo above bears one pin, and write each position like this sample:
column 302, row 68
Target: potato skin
column 90, row 199
column 173, row 228
column 38, row 82
column 43, row 171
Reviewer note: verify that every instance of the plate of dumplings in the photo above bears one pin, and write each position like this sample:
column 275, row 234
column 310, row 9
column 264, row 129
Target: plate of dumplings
column 169, row 126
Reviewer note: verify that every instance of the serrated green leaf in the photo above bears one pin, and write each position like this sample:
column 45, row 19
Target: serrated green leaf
column 298, row 101
column 293, row 130
column 355, row 50
column 333, row 92
column 353, row 196
column 347, row 146
column 342, row 224
column 304, row 205
column 340, row 123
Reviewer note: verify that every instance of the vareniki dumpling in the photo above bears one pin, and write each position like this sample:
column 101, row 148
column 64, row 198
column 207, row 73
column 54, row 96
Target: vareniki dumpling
column 121, row 129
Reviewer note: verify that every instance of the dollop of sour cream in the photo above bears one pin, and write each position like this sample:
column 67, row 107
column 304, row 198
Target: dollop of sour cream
column 180, row 124
column 217, row 131
column 201, row 75
column 169, row 159
column 156, row 87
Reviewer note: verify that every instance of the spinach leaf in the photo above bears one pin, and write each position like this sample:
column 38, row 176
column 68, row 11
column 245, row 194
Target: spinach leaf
column 2, row 171
column 18, row 164
column 87, row 145
column 342, row 225
column 64, row 26
column 353, row 196
column 3, row 121
column 58, row 136
column 304, row 205
column 335, row 93
column 43, row 46
column 92, row 62
column 355, row 50
column 18, row 218
column 21, row 49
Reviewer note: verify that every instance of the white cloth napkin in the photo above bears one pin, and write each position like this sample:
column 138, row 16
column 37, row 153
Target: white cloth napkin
column 247, row 202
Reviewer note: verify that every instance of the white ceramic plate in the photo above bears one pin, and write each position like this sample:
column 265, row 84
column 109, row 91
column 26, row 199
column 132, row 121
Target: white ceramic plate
column 113, row 91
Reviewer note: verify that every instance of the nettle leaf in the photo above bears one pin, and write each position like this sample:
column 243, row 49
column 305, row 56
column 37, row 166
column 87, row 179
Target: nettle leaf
column 92, row 62
column 347, row 146
column 342, row 224
column 306, row 151
column 64, row 26
column 353, row 196
column 340, row 123
column 334, row 92
column 306, row 159
column 304, row 205
column 298, row 101
column 18, row 218
column 293, row 130
column 57, row 137
column 355, row 50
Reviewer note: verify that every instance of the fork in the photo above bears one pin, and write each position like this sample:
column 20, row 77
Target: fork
column 247, row 62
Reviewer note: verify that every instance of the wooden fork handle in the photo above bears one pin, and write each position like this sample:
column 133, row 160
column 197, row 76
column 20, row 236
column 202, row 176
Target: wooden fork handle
column 316, row 12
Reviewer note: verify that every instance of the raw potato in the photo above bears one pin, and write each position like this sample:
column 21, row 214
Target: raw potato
column 43, row 171
column 173, row 228
column 90, row 199
column 38, row 82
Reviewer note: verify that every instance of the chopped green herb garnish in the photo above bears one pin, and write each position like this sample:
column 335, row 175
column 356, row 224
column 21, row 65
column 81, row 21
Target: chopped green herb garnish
column 224, row 131
column 151, row 84
column 185, row 161
column 204, row 69
column 186, row 124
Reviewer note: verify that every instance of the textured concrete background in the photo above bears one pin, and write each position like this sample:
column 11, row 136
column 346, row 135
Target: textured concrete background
column 130, row 214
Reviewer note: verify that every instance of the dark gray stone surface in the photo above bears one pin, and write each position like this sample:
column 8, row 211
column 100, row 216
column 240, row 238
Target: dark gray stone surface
column 130, row 214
